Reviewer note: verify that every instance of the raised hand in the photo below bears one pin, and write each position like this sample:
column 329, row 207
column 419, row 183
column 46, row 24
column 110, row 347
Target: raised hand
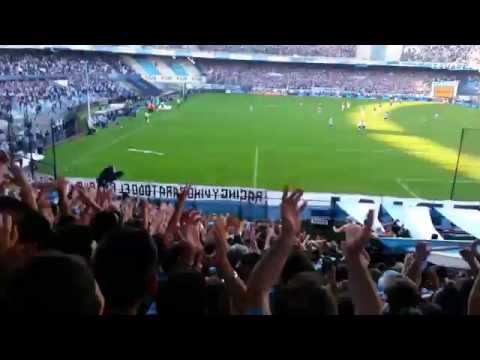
column 190, row 237
column 270, row 235
column 18, row 177
column 84, row 196
column 182, row 196
column 421, row 251
column 192, row 229
column 220, row 233
column 357, row 237
column 62, row 185
column 173, row 223
column 290, row 212
column 26, row 191
column 127, row 209
column 45, row 207
column 474, row 249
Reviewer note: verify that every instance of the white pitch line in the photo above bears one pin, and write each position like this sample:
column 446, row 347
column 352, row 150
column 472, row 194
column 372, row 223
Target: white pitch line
column 406, row 188
column 146, row 151
column 255, row 168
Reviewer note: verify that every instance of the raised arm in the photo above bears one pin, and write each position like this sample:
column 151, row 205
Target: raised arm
column 267, row 271
column 190, row 237
column 474, row 298
column 414, row 271
column 469, row 257
column 63, row 203
column 26, row 191
column 364, row 293
column 174, row 222
column 236, row 288
column 89, row 203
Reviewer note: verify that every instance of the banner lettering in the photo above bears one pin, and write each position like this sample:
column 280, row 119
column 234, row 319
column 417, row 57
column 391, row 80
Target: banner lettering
column 170, row 191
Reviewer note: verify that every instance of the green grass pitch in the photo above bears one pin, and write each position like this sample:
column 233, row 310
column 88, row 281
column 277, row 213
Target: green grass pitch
column 216, row 139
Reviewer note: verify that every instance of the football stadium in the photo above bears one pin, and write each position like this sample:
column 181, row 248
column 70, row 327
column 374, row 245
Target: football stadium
column 344, row 174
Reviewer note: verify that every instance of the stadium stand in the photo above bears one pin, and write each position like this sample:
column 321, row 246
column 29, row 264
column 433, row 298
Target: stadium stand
column 148, row 67
column 440, row 53
column 337, row 51
column 306, row 76
column 178, row 69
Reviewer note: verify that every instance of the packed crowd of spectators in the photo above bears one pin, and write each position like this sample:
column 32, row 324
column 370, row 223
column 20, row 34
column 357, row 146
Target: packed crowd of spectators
column 460, row 54
column 86, row 251
column 342, row 51
column 34, row 75
column 305, row 76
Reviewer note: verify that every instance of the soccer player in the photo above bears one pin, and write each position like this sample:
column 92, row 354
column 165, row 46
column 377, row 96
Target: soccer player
column 436, row 115
column 251, row 108
column 147, row 117
column 343, row 107
column 330, row 122
column 361, row 125
column 348, row 105
column 386, row 116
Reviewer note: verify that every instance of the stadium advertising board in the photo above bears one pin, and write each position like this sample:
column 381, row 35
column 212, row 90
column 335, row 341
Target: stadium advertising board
column 170, row 191
column 444, row 89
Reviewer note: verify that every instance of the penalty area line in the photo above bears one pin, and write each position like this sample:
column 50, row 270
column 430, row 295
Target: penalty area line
column 406, row 188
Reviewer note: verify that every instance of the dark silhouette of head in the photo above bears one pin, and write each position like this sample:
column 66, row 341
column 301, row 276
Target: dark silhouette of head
column 34, row 230
column 103, row 222
column 125, row 266
column 53, row 283
column 305, row 295
column 449, row 299
column 74, row 239
column 184, row 293
column 297, row 263
column 401, row 294
column 246, row 265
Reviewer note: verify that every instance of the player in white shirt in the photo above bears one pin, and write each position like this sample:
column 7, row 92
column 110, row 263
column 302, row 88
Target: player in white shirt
column 330, row 122
column 251, row 108
column 386, row 116
column 147, row 117
column 348, row 105
column 436, row 115
column 361, row 125
column 343, row 107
